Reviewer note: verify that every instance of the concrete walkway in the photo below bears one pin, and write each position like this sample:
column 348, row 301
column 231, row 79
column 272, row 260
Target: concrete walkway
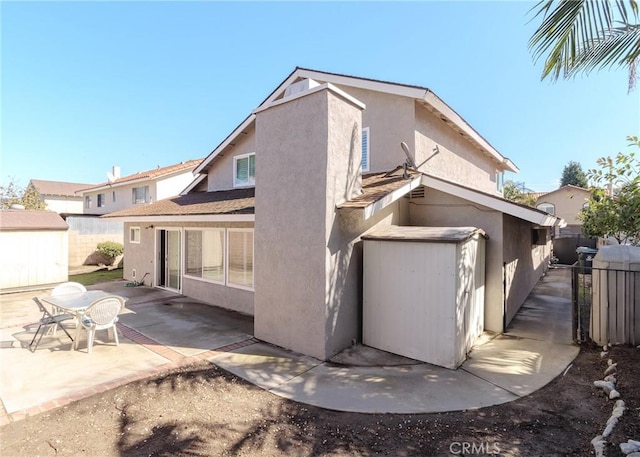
column 536, row 348
column 161, row 331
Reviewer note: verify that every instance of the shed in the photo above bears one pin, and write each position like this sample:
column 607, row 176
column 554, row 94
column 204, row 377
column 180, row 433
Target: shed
column 424, row 292
column 615, row 307
column 35, row 249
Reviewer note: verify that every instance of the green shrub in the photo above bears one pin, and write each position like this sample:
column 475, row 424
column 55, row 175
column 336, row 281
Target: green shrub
column 110, row 249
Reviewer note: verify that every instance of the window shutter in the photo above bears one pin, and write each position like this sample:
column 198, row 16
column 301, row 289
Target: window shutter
column 252, row 166
column 242, row 170
column 365, row 149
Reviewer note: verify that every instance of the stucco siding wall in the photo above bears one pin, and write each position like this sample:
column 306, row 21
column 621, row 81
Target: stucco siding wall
column 525, row 263
column 220, row 175
column 139, row 256
column 64, row 205
column 458, row 160
column 390, row 119
column 290, row 242
column 172, row 185
column 33, row 258
column 124, row 198
column 438, row 209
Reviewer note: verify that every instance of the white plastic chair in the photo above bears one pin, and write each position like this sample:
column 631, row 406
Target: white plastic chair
column 100, row 315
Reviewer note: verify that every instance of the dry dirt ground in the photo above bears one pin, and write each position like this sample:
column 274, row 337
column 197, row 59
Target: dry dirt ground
column 204, row 411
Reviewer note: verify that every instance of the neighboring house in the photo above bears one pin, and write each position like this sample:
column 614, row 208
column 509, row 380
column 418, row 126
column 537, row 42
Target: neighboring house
column 34, row 246
column 273, row 224
column 141, row 188
column 565, row 202
column 61, row 197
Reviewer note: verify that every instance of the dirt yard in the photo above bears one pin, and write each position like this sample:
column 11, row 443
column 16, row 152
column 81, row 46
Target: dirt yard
column 204, row 411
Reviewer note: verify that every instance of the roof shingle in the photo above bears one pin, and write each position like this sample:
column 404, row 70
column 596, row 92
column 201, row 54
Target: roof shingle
column 24, row 219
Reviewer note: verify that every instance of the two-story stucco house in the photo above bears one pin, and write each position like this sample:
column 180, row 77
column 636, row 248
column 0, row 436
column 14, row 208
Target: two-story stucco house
column 141, row 188
column 565, row 202
column 273, row 224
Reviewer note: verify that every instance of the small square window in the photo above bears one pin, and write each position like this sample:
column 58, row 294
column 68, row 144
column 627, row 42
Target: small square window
column 134, row 235
column 140, row 194
column 244, row 170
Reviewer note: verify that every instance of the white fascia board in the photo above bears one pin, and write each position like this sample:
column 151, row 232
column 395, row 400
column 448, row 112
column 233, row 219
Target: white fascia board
column 385, row 201
column 495, row 203
column 230, row 139
column 327, row 86
column 193, row 184
column 188, row 218
column 435, row 101
column 377, row 86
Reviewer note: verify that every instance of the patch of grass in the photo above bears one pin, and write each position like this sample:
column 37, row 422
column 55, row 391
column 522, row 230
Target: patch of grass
column 88, row 279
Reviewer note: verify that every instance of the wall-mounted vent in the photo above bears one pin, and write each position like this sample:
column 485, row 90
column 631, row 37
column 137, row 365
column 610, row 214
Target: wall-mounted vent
column 299, row 87
column 418, row 192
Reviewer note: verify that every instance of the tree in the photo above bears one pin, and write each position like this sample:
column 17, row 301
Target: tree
column 578, row 36
column 514, row 192
column 574, row 175
column 14, row 194
column 614, row 207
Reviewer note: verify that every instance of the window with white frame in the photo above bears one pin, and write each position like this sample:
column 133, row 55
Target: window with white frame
column 87, row 201
column 134, row 235
column 101, row 201
column 244, row 170
column 499, row 180
column 547, row 208
column 204, row 254
column 140, row 194
column 365, row 149
column 240, row 258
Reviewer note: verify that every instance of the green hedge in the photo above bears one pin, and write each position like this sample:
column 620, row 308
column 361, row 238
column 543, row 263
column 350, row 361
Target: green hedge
column 110, row 249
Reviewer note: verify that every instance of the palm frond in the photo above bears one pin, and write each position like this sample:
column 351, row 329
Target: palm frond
column 580, row 35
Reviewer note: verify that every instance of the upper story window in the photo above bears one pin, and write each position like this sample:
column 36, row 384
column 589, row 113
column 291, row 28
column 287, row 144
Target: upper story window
column 140, row 194
column 244, row 170
column 113, row 196
column 499, row 180
column 101, row 201
column 365, row 149
column 87, row 201
column 547, row 208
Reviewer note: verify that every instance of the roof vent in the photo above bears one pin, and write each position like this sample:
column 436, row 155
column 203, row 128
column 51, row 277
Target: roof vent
column 299, row 87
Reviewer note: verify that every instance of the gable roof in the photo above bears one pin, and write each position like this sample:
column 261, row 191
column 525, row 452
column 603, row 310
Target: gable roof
column 24, row 219
column 57, row 188
column 146, row 175
column 421, row 94
column 524, row 212
column 567, row 187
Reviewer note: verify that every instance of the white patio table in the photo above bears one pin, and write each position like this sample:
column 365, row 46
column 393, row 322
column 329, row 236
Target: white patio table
column 77, row 303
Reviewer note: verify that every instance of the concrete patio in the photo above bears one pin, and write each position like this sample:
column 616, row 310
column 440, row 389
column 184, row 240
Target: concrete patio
column 161, row 330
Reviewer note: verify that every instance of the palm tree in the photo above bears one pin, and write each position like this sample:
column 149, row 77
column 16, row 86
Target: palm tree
column 583, row 35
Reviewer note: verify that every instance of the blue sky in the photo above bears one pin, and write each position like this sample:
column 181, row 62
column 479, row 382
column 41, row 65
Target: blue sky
column 89, row 85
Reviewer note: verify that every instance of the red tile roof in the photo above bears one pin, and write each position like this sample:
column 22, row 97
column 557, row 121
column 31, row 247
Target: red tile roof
column 58, row 188
column 236, row 201
column 23, row 219
column 149, row 174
